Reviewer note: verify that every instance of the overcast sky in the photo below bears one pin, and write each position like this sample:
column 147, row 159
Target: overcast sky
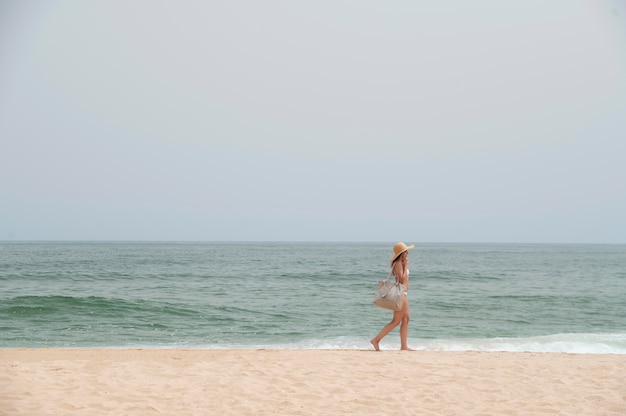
column 421, row 121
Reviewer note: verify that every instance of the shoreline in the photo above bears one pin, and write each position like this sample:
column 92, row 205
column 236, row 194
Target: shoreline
column 146, row 381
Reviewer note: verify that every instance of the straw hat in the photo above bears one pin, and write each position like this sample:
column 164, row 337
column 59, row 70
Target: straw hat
column 400, row 248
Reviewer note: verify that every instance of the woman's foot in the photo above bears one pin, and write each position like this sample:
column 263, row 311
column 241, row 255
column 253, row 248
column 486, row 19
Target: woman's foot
column 375, row 344
column 406, row 349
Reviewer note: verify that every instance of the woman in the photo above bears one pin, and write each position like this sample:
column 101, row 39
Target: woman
column 400, row 269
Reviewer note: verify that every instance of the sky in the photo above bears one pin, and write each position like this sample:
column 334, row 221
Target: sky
column 344, row 120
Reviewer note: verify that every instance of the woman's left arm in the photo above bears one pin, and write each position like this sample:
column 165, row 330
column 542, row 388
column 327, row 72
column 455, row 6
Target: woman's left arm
column 400, row 273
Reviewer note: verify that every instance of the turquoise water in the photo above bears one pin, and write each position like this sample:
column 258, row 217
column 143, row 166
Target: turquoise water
column 503, row 297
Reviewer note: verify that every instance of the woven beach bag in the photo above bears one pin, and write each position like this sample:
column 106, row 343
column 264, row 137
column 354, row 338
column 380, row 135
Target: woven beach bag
column 389, row 294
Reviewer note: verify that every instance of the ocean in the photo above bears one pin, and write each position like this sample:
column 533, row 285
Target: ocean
column 217, row 295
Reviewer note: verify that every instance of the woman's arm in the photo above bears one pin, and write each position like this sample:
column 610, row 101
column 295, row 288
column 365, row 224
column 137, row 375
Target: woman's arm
column 399, row 270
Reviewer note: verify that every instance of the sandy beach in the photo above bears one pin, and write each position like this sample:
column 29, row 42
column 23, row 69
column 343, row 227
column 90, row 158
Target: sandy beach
column 308, row 382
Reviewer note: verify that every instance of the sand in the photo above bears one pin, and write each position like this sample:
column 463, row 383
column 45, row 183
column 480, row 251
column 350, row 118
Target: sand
column 308, row 382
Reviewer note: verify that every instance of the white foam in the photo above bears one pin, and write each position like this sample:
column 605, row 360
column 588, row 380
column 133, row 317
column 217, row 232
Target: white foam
column 561, row 343
column 564, row 343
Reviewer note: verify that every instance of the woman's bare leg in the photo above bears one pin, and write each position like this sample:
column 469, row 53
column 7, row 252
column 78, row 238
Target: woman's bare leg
column 404, row 326
column 404, row 333
column 397, row 319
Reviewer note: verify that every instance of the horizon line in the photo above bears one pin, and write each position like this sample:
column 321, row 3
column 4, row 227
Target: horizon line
column 295, row 242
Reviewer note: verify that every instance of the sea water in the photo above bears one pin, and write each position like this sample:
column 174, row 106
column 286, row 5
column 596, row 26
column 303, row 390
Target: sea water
column 484, row 297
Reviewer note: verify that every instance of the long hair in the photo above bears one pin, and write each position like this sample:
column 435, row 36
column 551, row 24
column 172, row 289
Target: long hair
column 393, row 263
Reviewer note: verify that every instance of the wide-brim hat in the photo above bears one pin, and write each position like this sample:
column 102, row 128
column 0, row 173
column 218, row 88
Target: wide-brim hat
column 400, row 248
